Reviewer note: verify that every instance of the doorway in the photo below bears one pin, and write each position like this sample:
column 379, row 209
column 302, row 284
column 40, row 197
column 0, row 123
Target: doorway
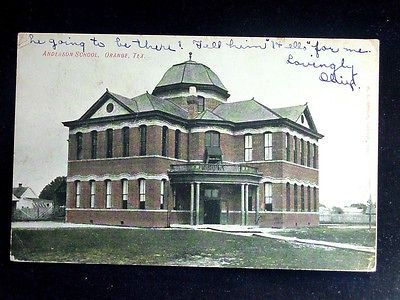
column 212, row 212
column 212, row 206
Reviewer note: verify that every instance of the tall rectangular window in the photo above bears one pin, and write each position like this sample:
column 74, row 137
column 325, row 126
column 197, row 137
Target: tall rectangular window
column 295, row 149
column 94, row 144
column 308, row 155
column 212, row 139
column 177, row 143
column 124, row 193
column 108, row 193
column 267, row 146
column 288, row 196
column 302, row 197
column 248, row 147
column 125, row 141
column 287, row 146
column 77, row 194
column 315, row 199
column 143, row 139
column 268, row 196
column 164, row 139
column 109, row 141
column 295, row 199
column 79, row 145
column 315, row 156
column 142, row 193
column 200, row 104
column 162, row 191
column 308, row 198
column 92, row 184
column 302, row 151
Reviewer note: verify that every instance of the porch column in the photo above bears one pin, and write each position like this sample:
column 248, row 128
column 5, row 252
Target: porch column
column 197, row 203
column 257, row 203
column 246, row 204
column 191, row 202
column 242, row 204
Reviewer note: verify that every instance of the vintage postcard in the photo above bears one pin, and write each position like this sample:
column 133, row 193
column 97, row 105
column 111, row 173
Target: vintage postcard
column 238, row 152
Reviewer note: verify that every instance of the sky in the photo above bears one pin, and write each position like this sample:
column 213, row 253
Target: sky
column 277, row 72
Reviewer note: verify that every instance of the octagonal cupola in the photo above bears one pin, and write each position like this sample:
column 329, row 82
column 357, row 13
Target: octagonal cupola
column 188, row 79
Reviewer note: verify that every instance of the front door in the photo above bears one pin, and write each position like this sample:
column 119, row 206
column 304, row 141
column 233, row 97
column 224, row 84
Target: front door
column 212, row 212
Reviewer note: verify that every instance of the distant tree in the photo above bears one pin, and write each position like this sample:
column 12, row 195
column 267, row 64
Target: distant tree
column 55, row 190
column 321, row 205
column 337, row 210
column 360, row 206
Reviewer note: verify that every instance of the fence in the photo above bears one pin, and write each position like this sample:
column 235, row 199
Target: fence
column 38, row 213
column 346, row 219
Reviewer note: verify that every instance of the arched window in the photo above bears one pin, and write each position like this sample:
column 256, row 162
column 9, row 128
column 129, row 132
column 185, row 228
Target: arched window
column 124, row 183
column 109, row 143
column 295, row 197
column 308, row 155
column 108, row 193
column 302, row 197
column 142, row 193
column 94, row 144
column 295, row 149
column 143, row 139
column 162, row 193
column 288, row 196
column 92, row 186
column 268, row 146
column 302, row 151
column 77, row 194
column 200, row 104
column 287, row 146
column 248, row 147
column 268, row 196
column 79, row 145
column 125, row 141
column 315, row 157
column 177, row 143
column 315, row 199
column 308, row 198
column 164, row 141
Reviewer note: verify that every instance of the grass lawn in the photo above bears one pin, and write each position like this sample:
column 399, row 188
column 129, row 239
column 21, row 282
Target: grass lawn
column 356, row 236
column 178, row 247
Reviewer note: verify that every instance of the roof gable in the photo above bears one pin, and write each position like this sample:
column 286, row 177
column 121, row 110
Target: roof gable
column 209, row 115
column 121, row 105
column 24, row 192
column 299, row 114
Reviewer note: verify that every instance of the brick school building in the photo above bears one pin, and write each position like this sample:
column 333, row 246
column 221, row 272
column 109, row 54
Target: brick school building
column 184, row 154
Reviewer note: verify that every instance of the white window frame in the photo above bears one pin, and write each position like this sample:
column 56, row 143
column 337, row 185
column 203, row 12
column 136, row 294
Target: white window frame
column 267, row 193
column 108, row 193
column 267, row 145
column 78, row 194
column 92, row 184
column 162, row 192
column 125, row 189
column 248, row 147
column 142, row 190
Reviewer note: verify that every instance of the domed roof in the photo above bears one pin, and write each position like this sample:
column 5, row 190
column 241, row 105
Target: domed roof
column 190, row 73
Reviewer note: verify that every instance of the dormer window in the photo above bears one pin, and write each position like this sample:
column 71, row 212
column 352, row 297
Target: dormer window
column 200, row 104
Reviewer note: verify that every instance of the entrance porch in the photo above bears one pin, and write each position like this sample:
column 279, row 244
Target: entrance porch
column 216, row 193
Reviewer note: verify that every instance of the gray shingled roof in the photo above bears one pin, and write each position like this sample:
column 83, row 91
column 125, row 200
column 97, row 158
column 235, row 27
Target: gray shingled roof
column 148, row 102
column 190, row 72
column 209, row 115
column 244, row 111
column 292, row 113
column 19, row 191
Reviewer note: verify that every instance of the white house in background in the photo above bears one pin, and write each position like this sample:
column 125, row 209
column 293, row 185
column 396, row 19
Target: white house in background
column 25, row 197
column 352, row 210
